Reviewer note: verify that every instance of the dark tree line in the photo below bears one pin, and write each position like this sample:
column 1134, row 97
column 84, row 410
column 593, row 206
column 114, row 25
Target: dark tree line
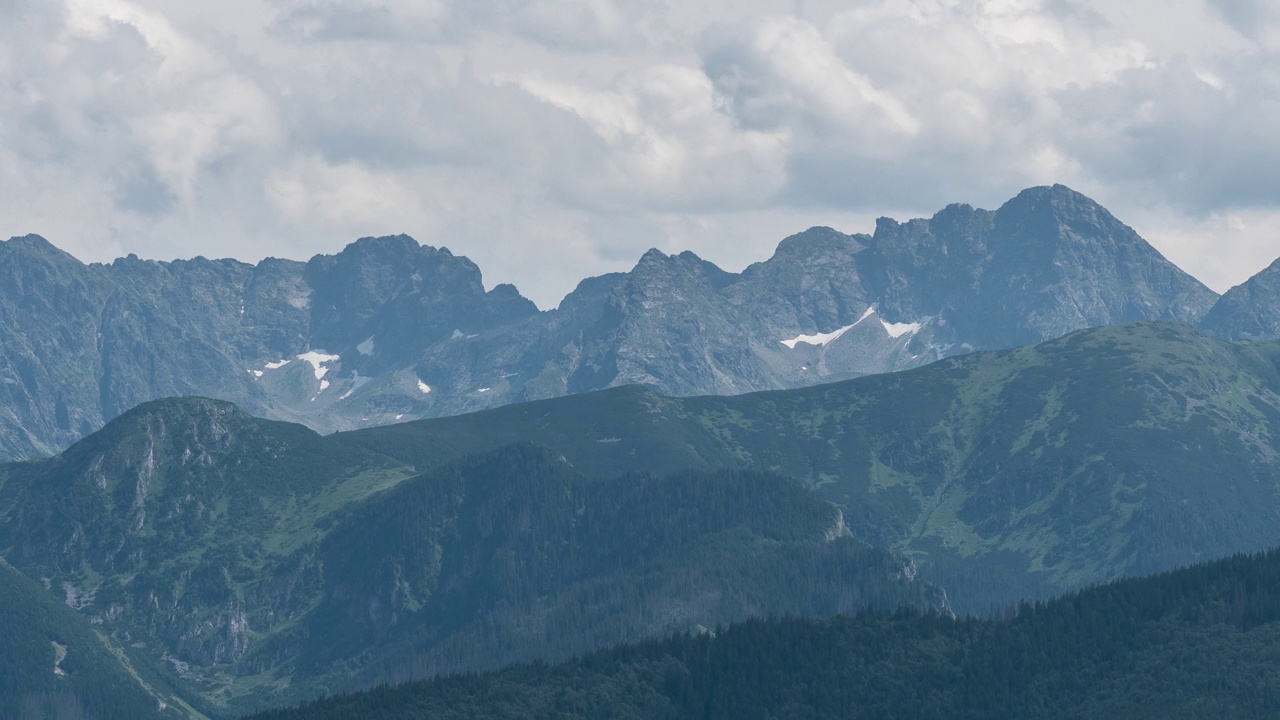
column 1199, row 642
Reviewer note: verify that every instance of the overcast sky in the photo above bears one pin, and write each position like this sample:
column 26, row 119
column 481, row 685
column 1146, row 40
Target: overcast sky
column 549, row 140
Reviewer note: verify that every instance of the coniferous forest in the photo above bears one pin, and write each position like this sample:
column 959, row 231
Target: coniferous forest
column 56, row 666
column 1202, row 642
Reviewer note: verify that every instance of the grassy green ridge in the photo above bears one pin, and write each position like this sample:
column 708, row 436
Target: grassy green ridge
column 253, row 563
column 1111, row 451
column 1195, row 643
column 185, row 529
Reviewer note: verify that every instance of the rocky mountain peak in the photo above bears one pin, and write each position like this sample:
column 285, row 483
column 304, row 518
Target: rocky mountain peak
column 36, row 248
column 505, row 291
column 1250, row 310
column 963, row 220
column 353, row 290
column 389, row 329
column 656, row 268
column 387, row 246
column 653, row 257
column 1058, row 213
column 818, row 241
column 1074, row 265
column 31, row 243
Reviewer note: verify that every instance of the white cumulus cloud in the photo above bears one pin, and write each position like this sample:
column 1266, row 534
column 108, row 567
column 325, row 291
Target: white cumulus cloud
column 550, row 139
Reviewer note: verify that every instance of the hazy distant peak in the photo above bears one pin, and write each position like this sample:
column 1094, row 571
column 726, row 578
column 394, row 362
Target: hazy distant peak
column 818, row 239
column 1250, row 310
column 38, row 246
column 385, row 244
column 1056, row 203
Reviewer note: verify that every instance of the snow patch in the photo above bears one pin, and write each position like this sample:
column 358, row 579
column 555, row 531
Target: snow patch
column 425, row 388
column 897, row 330
column 277, row 364
column 824, row 338
column 256, row 373
column 318, row 358
column 324, row 385
column 399, row 416
column 819, row 339
column 456, row 334
column 366, row 347
column 484, row 390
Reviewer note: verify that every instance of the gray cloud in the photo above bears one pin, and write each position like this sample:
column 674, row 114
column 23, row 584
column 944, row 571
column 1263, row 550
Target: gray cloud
column 338, row 20
column 1180, row 138
column 140, row 190
column 567, row 25
column 549, row 139
column 1248, row 17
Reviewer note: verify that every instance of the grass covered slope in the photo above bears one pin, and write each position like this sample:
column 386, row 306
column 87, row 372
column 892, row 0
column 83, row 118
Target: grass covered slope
column 1195, row 643
column 1111, row 451
column 255, row 563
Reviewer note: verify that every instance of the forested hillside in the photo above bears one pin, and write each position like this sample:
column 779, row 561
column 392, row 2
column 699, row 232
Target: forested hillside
column 253, row 563
column 1108, row 452
column 1197, row 643
column 516, row 556
column 54, row 665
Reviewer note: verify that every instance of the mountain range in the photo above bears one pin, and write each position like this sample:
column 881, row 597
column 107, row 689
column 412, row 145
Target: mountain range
column 951, row 415
column 388, row 330
column 251, row 563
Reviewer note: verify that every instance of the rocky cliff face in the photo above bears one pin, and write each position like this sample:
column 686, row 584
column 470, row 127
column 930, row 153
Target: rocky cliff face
column 829, row 306
column 1048, row 262
column 389, row 330
column 1249, row 311
column 84, row 343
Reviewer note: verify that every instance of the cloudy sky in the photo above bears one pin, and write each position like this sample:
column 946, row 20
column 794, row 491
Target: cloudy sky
column 553, row 139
